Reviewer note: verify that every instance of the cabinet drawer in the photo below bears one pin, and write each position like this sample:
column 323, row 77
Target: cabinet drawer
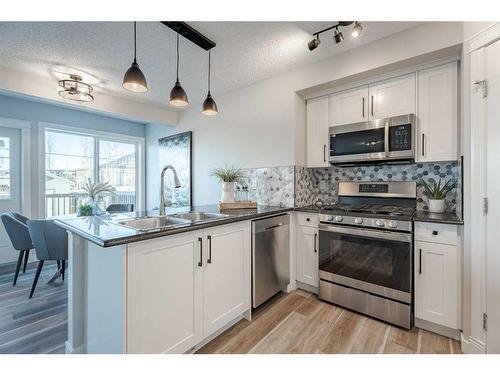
column 307, row 219
column 437, row 233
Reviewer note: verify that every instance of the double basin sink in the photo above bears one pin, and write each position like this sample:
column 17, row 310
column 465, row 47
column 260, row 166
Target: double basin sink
column 151, row 223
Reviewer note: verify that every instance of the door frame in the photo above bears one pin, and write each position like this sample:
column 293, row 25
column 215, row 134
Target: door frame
column 25, row 128
column 473, row 338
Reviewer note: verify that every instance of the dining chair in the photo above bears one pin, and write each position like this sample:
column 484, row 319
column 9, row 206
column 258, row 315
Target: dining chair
column 120, row 207
column 51, row 243
column 17, row 230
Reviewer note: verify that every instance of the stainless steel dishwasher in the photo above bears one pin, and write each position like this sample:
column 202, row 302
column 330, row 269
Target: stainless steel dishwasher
column 270, row 257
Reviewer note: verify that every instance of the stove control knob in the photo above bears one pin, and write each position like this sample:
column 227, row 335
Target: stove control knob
column 338, row 218
column 330, row 218
column 380, row 223
column 392, row 224
column 358, row 220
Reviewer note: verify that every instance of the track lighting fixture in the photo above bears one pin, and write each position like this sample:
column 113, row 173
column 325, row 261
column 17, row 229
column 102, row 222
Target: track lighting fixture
column 178, row 96
column 338, row 37
column 313, row 44
column 209, row 107
column 134, row 79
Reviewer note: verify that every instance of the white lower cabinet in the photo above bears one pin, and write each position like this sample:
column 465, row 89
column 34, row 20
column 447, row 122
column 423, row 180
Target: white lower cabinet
column 307, row 254
column 183, row 288
column 437, row 279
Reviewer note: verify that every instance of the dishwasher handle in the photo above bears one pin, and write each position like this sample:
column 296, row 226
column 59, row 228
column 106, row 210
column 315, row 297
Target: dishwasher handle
column 274, row 226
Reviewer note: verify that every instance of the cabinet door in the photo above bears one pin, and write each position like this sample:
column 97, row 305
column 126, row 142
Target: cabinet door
column 317, row 132
column 165, row 294
column 226, row 275
column 436, row 283
column 437, row 113
column 393, row 97
column 307, row 255
column 349, row 106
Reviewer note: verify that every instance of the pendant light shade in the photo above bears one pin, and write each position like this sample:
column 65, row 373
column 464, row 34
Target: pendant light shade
column 178, row 96
column 209, row 107
column 134, row 80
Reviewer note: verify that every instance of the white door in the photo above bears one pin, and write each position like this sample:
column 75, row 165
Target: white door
column 436, row 283
column 307, row 255
column 165, row 294
column 492, row 54
column 393, row 97
column 10, row 185
column 437, row 113
column 317, row 132
column 227, row 275
column 348, row 107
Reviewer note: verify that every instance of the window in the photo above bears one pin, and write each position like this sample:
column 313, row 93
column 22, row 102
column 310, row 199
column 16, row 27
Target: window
column 4, row 168
column 71, row 159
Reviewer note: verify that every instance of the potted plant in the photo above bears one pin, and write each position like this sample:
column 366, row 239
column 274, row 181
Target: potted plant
column 229, row 176
column 436, row 193
column 92, row 195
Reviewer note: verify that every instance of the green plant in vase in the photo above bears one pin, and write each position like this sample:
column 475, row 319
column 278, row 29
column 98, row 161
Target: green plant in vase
column 92, row 193
column 228, row 176
column 436, row 192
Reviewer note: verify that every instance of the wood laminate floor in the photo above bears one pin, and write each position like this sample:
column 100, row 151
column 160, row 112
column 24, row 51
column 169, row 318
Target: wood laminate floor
column 299, row 322
column 33, row 326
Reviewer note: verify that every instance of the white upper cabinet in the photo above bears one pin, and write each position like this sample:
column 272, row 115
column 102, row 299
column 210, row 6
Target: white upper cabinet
column 393, row 97
column 317, row 132
column 437, row 113
column 349, row 106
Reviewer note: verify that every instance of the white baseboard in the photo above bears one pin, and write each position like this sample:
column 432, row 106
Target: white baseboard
column 437, row 328
column 471, row 346
column 308, row 288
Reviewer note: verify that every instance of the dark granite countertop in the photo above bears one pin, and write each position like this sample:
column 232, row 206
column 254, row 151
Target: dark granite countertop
column 105, row 230
column 312, row 208
column 444, row 218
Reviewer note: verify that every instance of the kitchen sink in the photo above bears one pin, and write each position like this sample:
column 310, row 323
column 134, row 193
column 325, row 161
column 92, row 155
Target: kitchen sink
column 199, row 216
column 154, row 222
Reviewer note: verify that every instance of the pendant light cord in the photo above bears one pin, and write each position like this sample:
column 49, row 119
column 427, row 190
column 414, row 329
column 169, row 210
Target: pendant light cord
column 177, row 57
column 135, row 41
column 209, row 53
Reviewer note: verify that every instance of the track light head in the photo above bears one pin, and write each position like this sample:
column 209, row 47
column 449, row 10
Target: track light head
column 337, row 36
column 313, row 44
column 357, row 29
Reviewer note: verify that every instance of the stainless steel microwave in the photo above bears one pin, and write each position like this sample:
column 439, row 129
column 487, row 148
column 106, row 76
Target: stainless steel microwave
column 388, row 140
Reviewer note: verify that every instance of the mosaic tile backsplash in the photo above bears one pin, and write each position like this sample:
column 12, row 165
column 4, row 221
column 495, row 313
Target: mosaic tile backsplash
column 299, row 186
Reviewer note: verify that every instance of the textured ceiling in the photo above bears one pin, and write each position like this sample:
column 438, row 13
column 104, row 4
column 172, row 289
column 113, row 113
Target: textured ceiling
column 101, row 52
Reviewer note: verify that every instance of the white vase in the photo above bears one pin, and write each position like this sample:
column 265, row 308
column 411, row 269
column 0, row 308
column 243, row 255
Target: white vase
column 227, row 192
column 436, row 205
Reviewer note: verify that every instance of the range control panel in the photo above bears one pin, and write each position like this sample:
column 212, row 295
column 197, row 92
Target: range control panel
column 373, row 188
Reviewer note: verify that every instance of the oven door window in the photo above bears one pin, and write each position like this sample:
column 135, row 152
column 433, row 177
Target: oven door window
column 377, row 261
column 359, row 142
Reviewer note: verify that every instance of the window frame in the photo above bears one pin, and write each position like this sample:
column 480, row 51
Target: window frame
column 97, row 135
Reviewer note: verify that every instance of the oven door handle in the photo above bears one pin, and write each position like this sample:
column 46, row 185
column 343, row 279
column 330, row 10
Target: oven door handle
column 365, row 232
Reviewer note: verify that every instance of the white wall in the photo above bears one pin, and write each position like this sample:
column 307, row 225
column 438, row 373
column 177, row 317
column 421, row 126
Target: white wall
column 264, row 124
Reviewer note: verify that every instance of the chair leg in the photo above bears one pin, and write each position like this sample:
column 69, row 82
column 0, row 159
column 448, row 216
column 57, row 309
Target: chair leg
column 58, row 264
column 37, row 275
column 26, row 256
column 18, row 266
column 63, row 268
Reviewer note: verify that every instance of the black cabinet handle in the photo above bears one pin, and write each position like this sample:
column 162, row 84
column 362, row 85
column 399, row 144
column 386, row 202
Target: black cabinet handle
column 324, row 153
column 315, row 241
column 435, row 232
column 419, row 261
column 200, row 242
column 363, row 107
column 209, row 239
column 372, row 105
column 423, row 144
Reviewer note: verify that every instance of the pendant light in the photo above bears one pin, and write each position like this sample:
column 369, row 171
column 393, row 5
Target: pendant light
column 178, row 96
column 134, row 79
column 209, row 106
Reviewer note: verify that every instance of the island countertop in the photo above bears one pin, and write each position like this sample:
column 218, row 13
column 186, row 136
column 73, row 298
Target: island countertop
column 105, row 230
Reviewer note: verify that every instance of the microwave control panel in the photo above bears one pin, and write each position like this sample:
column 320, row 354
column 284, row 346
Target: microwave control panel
column 400, row 138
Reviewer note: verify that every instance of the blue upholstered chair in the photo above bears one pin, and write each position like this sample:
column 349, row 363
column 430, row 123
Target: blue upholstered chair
column 50, row 242
column 17, row 230
column 113, row 208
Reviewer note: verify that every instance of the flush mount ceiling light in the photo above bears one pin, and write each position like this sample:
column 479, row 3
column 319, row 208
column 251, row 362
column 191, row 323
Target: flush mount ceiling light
column 134, row 79
column 178, row 96
column 338, row 37
column 209, row 107
column 75, row 89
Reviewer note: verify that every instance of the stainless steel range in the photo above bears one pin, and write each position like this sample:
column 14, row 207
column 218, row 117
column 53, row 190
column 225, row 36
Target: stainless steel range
column 366, row 250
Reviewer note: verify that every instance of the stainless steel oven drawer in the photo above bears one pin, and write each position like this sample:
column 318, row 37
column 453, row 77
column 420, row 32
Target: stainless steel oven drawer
column 381, row 308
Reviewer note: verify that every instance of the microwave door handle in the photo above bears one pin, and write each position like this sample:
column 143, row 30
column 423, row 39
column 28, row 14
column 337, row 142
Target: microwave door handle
column 386, row 138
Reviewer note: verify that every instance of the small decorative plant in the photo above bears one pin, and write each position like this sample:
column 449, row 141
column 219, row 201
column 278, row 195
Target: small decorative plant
column 229, row 176
column 436, row 193
column 92, row 191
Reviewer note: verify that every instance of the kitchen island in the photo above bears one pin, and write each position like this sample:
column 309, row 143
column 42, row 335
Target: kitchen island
column 168, row 289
